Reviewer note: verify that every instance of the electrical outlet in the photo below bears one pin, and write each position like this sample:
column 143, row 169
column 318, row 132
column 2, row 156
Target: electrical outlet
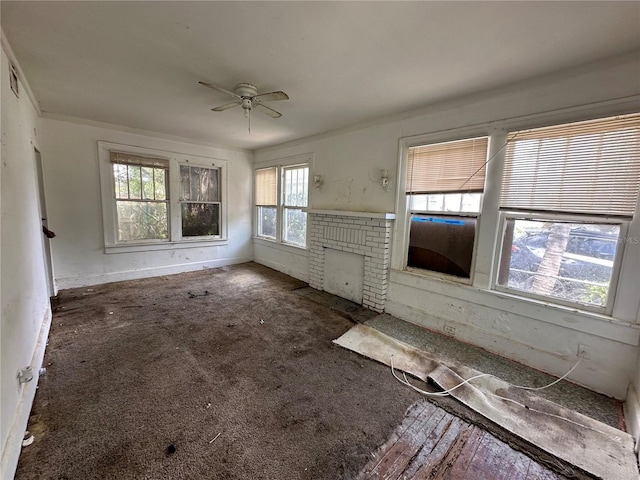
column 584, row 351
column 449, row 329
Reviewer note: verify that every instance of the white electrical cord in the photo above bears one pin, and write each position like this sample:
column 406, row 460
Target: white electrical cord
column 444, row 393
column 434, row 394
column 552, row 383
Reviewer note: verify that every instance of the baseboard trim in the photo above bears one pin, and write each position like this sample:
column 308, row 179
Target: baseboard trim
column 13, row 446
column 98, row 279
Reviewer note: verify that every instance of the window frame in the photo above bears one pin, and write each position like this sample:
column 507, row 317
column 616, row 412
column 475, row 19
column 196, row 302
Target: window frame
column 175, row 239
column 182, row 201
column 257, row 207
column 607, row 308
column 620, row 275
column 281, row 165
column 116, row 201
column 285, row 207
column 404, row 204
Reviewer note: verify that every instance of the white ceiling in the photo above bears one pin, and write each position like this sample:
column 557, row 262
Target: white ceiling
column 137, row 64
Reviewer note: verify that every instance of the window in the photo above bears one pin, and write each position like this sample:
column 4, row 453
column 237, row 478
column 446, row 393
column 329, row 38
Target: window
column 568, row 194
column 200, row 201
column 141, row 197
column 445, row 182
column 295, row 195
column 282, row 194
column 154, row 200
column 266, row 203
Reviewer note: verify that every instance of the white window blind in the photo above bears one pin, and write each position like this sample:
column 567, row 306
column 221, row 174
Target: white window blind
column 588, row 167
column 266, row 186
column 450, row 167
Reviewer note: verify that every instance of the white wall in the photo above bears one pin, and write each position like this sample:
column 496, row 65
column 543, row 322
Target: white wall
column 72, row 177
column 540, row 335
column 286, row 259
column 25, row 315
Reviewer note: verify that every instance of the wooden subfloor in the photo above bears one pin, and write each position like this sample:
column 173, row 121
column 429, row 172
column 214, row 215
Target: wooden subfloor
column 432, row 444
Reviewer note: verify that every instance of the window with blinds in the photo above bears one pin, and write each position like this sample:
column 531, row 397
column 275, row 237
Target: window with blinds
column 568, row 193
column 588, row 167
column 266, row 202
column 282, row 195
column 445, row 180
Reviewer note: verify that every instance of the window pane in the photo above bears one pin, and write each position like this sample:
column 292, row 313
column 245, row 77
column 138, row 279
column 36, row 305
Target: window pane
column 442, row 244
column 296, row 181
column 569, row 261
column 148, row 187
column 295, row 226
column 199, row 184
column 185, row 188
column 200, row 219
column 267, row 221
column 141, row 220
column 452, row 202
column 448, row 202
column 120, row 177
column 435, row 202
column 160, row 183
column 134, row 181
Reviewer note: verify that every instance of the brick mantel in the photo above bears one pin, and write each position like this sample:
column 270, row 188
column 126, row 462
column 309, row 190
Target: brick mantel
column 363, row 233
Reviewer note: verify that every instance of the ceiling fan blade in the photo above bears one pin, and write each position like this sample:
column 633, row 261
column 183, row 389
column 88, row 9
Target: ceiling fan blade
column 226, row 106
column 269, row 111
column 271, row 97
column 220, row 89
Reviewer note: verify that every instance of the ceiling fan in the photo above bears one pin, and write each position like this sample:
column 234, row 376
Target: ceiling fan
column 246, row 95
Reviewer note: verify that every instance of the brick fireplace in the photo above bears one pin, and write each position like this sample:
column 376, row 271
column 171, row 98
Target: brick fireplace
column 362, row 233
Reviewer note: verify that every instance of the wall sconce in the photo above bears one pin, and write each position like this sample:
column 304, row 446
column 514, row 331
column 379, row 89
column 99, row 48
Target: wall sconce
column 384, row 179
column 317, row 181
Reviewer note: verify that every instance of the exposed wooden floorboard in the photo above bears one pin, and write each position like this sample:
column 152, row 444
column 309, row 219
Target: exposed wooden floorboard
column 435, row 445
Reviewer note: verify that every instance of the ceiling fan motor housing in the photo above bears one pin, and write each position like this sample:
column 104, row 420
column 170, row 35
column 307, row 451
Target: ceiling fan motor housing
column 246, row 90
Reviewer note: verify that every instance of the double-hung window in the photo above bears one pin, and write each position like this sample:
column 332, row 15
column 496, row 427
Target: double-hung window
column 266, row 202
column 153, row 199
column 281, row 199
column 141, row 197
column 200, row 201
column 568, row 195
column 445, row 183
column 295, row 196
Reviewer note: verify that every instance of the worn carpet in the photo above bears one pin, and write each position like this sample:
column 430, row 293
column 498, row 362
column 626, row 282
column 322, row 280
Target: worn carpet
column 217, row 374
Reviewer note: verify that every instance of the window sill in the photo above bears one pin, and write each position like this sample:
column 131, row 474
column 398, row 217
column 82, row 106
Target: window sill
column 567, row 317
column 150, row 247
column 281, row 245
column 437, row 276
